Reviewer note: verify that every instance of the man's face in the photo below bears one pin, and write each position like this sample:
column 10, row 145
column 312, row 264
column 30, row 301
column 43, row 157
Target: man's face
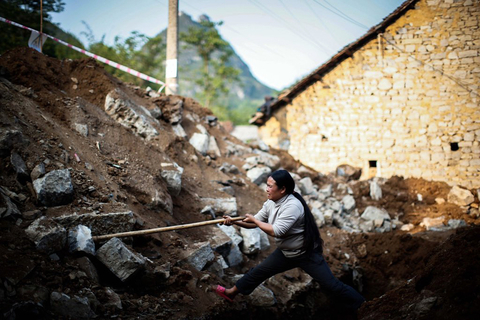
column 273, row 192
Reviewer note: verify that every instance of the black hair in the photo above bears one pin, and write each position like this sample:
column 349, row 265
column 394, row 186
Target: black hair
column 311, row 236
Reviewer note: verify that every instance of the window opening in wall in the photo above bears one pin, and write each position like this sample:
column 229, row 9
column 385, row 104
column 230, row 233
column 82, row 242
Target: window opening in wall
column 454, row 146
column 372, row 163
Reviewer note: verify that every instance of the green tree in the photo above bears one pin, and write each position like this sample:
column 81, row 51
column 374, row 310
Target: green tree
column 137, row 52
column 27, row 13
column 215, row 74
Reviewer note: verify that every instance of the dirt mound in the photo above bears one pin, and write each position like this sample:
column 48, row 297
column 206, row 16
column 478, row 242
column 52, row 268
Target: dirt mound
column 445, row 287
column 115, row 170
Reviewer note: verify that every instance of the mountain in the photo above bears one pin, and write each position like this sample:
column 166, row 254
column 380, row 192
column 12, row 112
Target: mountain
column 247, row 95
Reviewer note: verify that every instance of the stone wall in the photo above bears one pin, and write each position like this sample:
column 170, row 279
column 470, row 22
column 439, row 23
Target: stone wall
column 405, row 103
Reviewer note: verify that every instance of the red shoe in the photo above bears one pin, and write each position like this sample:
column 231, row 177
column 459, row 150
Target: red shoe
column 221, row 292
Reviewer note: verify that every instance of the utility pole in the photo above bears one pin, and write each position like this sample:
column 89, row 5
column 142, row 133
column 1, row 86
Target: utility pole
column 171, row 71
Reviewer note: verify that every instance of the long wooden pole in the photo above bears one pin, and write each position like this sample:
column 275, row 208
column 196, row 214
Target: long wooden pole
column 41, row 24
column 171, row 72
column 163, row 229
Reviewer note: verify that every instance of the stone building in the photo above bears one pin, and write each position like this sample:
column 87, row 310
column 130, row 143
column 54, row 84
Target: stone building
column 402, row 100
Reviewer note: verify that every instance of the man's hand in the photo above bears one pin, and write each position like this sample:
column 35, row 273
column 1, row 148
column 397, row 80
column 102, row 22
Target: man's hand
column 228, row 220
column 249, row 218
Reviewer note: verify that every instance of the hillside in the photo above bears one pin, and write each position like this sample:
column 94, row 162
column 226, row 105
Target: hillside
column 249, row 89
column 84, row 154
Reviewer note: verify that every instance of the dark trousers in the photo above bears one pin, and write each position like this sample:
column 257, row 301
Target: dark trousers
column 314, row 264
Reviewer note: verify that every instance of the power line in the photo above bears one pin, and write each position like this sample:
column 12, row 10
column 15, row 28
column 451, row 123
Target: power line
column 322, row 23
column 230, row 28
column 302, row 25
column 342, row 15
column 292, row 28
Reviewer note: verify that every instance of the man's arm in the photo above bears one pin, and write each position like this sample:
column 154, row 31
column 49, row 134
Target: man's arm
column 266, row 227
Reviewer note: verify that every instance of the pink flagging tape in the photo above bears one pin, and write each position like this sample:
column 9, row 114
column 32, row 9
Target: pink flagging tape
column 94, row 56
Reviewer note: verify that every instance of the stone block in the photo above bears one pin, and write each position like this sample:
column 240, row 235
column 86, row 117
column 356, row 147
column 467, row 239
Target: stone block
column 221, row 206
column 460, row 196
column 100, row 224
column 258, row 175
column 373, row 213
column 80, row 240
column 55, row 188
column 119, row 259
column 198, row 255
column 200, row 142
column 68, row 307
column 47, row 235
column 172, row 174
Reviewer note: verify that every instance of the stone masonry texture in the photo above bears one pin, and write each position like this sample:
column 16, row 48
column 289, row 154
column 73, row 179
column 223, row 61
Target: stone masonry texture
column 405, row 103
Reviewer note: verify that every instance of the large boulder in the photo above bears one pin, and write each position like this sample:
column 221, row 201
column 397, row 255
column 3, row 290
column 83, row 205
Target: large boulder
column 220, row 206
column 119, row 259
column 9, row 140
column 460, row 196
column 47, row 235
column 261, row 296
column 172, row 174
column 55, row 188
column 259, row 175
column 99, row 224
column 254, row 240
column 200, row 142
column 264, row 158
column 348, row 172
column 80, row 240
column 235, row 256
column 373, row 213
column 198, row 255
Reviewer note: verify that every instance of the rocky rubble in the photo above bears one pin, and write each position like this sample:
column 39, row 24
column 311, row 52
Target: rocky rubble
column 95, row 156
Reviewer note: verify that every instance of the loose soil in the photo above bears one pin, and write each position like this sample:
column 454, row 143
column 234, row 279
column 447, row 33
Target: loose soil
column 416, row 275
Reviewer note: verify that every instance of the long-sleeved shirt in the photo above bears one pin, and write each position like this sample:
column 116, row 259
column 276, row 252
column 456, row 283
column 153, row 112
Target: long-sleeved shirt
column 287, row 217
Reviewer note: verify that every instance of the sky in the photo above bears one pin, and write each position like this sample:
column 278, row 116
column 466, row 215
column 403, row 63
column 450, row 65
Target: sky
column 281, row 41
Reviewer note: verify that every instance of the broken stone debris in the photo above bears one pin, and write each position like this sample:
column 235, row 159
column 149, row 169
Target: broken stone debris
column 38, row 171
column 20, row 167
column 375, row 191
column 218, row 266
column 235, row 256
column 87, row 266
column 7, row 207
column 261, row 296
column 129, row 115
column 82, row 129
column 66, row 306
column 9, row 139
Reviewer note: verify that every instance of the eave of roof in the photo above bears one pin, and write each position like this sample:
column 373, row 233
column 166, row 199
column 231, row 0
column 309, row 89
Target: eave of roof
column 287, row 96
